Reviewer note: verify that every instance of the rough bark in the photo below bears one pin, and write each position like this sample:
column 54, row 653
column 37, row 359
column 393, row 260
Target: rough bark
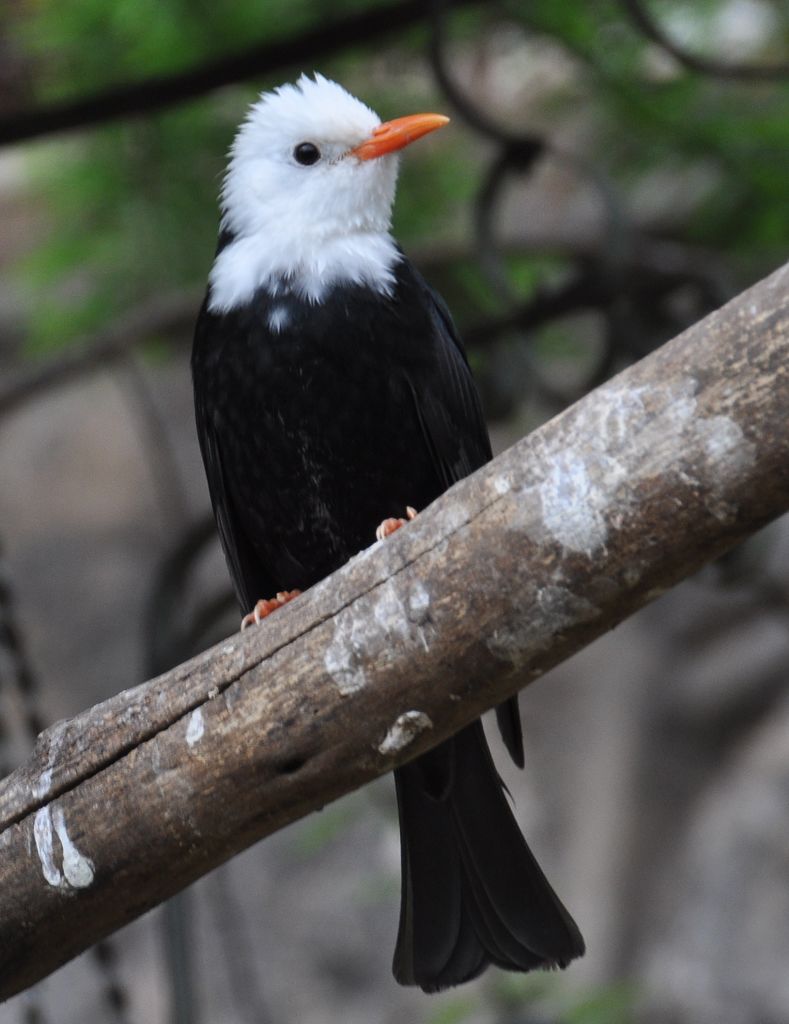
column 516, row 568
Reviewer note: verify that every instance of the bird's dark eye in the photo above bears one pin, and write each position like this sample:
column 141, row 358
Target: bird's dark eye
column 307, row 153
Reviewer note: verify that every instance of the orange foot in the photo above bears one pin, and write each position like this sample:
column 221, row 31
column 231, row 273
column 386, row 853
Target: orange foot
column 264, row 608
column 388, row 526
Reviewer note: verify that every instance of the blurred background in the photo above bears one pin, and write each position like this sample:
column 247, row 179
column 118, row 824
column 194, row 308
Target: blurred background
column 615, row 170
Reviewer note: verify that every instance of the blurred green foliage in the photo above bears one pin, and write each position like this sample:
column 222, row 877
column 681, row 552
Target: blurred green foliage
column 312, row 835
column 677, row 121
column 131, row 207
column 538, row 998
column 610, row 1004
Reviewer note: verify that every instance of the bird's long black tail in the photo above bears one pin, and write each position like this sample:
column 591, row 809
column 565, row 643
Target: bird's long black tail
column 472, row 892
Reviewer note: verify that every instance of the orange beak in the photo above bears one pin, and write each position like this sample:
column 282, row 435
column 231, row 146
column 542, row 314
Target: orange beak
column 393, row 135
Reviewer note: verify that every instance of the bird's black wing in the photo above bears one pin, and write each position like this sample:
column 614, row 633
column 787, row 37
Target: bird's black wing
column 447, row 403
column 450, row 415
column 250, row 578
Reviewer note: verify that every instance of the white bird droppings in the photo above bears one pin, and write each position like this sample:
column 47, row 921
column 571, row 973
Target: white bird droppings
column 573, row 504
column 343, row 657
column 196, row 727
column 404, row 730
column 41, row 788
column 77, row 870
column 418, row 602
column 371, row 631
column 42, row 833
column 54, row 739
column 585, row 493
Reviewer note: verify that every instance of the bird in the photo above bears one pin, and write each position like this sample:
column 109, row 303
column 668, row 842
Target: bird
column 332, row 390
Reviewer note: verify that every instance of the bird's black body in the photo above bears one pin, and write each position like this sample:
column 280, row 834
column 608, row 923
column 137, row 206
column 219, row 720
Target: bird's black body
column 312, row 434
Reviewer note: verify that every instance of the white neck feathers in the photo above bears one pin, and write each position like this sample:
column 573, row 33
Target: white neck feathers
column 304, row 267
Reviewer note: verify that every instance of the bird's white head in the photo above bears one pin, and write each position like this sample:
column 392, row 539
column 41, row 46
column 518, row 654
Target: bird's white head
column 308, row 195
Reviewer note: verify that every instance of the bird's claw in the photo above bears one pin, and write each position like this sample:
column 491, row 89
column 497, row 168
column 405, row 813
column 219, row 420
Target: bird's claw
column 388, row 526
column 266, row 607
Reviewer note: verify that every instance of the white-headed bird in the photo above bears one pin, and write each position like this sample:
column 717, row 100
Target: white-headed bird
column 331, row 392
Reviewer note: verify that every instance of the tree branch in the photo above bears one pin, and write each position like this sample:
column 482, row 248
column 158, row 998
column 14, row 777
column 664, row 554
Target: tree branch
column 164, row 315
column 516, row 568
column 651, row 29
column 158, row 91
